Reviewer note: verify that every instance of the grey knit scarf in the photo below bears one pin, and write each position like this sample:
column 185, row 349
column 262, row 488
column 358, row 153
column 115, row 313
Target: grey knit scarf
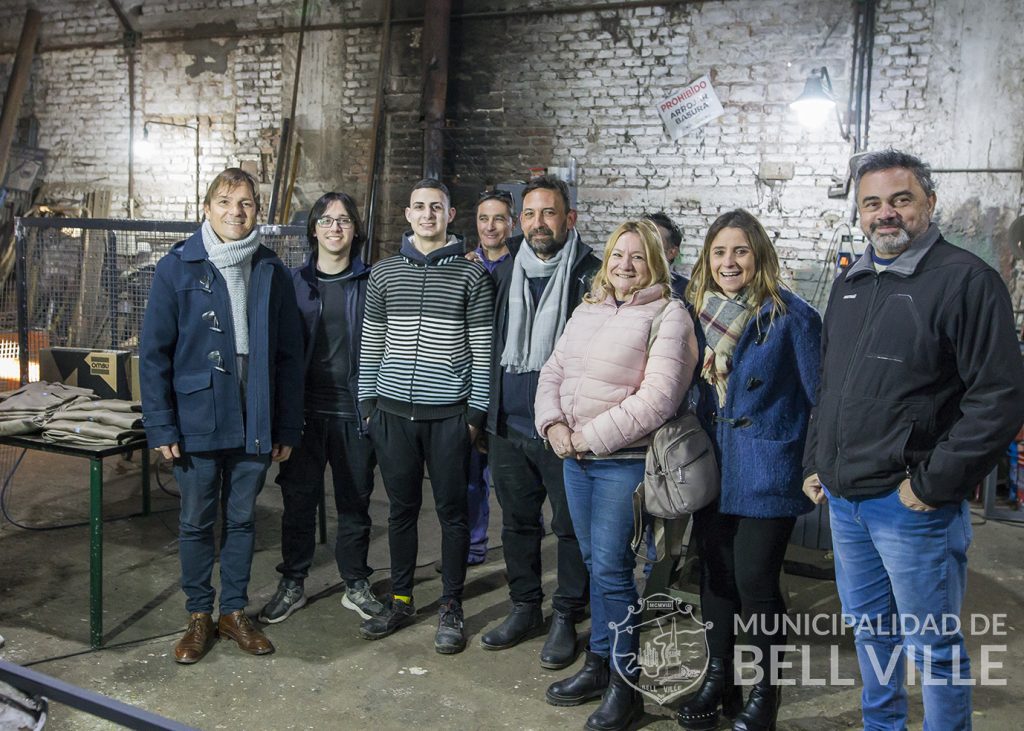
column 532, row 334
column 233, row 260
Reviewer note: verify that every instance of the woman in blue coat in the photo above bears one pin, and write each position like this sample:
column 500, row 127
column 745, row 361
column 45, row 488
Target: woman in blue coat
column 760, row 371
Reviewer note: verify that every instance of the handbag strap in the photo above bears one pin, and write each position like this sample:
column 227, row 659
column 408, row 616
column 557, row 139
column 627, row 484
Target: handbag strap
column 656, row 326
column 639, row 533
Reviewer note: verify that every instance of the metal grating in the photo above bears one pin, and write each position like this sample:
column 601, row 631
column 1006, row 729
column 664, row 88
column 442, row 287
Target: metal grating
column 84, row 283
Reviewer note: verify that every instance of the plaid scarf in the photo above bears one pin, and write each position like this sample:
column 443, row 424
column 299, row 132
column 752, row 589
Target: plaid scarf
column 723, row 321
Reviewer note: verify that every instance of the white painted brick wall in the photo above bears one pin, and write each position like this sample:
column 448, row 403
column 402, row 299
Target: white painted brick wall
column 533, row 89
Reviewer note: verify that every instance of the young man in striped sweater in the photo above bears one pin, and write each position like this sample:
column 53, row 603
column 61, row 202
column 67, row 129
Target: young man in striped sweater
column 423, row 381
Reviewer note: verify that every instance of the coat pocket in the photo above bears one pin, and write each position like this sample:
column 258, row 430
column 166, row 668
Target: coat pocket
column 765, row 467
column 194, row 393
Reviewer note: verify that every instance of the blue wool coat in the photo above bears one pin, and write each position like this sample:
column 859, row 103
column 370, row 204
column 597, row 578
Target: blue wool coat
column 760, row 430
column 188, row 332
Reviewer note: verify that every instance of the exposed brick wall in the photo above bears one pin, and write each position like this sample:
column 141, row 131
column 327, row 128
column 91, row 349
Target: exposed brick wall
column 64, row 22
column 335, row 120
column 78, row 98
column 532, row 88
column 88, row 21
column 239, row 88
column 587, row 84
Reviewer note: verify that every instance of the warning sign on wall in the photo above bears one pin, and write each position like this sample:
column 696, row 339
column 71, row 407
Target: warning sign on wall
column 691, row 107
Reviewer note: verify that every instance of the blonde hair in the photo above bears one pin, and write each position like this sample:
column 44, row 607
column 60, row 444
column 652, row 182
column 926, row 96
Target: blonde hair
column 766, row 283
column 653, row 250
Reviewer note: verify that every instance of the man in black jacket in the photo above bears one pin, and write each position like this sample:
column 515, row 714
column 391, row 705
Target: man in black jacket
column 538, row 288
column 922, row 387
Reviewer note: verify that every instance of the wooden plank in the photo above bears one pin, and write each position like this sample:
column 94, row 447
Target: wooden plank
column 17, row 85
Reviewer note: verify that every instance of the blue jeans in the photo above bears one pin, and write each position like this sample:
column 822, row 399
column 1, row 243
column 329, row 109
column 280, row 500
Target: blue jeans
column 600, row 496
column 207, row 480
column 900, row 574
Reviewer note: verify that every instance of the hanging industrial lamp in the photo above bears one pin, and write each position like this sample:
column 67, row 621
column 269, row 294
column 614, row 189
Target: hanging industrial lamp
column 817, row 102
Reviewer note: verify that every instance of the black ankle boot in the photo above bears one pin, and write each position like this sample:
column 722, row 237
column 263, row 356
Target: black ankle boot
column 523, row 622
column 589, row 683
column 559, row 649
column 621, row 707
column 700, row 713
column 761, row 710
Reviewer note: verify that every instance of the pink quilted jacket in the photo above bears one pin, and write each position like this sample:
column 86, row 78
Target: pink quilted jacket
column 600, row 380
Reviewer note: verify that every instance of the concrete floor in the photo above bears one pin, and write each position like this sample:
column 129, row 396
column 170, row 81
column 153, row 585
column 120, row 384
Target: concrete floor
column 323, row 676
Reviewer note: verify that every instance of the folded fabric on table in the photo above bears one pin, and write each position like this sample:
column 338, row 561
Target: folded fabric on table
column 112, row 412
column 88, row 432
column 118, row 405
column 24, row 410
column 42, row 395
column 17, row 427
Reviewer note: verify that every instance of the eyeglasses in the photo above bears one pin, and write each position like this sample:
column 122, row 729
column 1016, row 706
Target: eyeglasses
column 326, row 222
column 502, row 195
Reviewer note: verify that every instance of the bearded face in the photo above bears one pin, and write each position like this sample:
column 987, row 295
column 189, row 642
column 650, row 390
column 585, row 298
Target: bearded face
column 894, row 209
column 545, row 222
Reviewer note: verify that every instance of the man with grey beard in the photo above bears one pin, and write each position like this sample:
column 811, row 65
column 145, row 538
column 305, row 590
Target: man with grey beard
column 922, row 388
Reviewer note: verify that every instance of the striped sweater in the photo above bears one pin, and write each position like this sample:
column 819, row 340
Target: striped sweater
column 427, row 335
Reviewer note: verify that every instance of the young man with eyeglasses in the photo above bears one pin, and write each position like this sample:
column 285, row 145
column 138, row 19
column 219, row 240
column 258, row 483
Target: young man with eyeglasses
column 423, row 382
column 331, row 292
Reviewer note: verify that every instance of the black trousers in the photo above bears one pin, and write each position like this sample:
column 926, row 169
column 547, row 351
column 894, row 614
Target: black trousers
column 403, row 446
column 524, row 471
column 740, row 565
column 327, row 440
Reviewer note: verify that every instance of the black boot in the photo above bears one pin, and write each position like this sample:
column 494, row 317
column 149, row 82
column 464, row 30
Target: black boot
column 589, row 683
column 559, row 649
column 761, row 709
column 523, row 622
column 621, row 707
column 700, row 713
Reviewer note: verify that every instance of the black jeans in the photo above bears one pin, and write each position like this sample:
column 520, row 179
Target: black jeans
column 524, row 471
column 403, row 446
column 327, row 440
column 740, row 564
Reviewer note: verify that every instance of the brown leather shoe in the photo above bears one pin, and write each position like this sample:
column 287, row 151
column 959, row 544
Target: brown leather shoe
column 238, row 627
column 198, row 639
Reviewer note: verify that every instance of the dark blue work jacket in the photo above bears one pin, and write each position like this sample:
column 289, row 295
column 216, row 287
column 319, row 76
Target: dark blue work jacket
column 190, row 390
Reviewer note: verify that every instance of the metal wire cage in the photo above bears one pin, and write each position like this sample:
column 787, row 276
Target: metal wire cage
column 85, row 282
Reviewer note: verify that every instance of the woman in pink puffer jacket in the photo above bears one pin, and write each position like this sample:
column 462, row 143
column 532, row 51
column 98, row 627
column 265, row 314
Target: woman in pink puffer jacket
column 601, row 394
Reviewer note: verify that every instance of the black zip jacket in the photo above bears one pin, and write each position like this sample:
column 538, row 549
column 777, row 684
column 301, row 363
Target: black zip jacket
column 307, row 294
column 922, row 376
column 582, row 272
